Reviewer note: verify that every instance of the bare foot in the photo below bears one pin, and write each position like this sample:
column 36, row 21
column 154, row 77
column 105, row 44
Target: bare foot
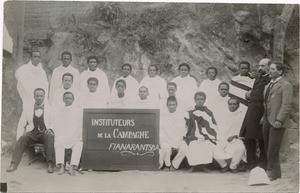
column 71, row 171
column 61, row 170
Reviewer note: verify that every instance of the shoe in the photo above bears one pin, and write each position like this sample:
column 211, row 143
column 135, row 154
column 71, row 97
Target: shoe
column 234, row 171
column 12, row 167
column 241, row 168
column 225, row 169
column 272, row 178
column 50, row 168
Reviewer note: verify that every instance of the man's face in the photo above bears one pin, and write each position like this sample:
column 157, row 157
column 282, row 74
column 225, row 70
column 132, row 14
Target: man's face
column 92, row 64
column 67, row 82
column 35, row 58
column 233, row 105
column 152, row 71
column 92, row 85
column 199, row 100
column 68, row 99
column 143, row 93
column 274, row 73
column 120, row 88
column 211, row 74
column 183, row 71
column 126, row 71
column 172, row 105
column 66, row 60
column 244, row 69
column 263, row 67
column 39, row 97
column 223, row 90
column 171, row 90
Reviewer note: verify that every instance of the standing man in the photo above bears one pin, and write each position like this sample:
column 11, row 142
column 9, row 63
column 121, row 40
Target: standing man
column 251, row 128
column 132, row 84
column 31, row 76
column 144, row 102
column 34, row 128
column 66, row 67
column 94, row 71
column 278, row 104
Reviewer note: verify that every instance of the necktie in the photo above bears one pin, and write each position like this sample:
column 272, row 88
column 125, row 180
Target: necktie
column 268, row 91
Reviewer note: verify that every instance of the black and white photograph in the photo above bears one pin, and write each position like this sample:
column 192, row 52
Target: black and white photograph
column 147, row 96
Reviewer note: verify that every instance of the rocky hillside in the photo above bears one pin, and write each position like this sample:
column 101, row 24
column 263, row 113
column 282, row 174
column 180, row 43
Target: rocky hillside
column 166, row 34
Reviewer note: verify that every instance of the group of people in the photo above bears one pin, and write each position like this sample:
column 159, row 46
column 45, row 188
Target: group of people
column 218, row 121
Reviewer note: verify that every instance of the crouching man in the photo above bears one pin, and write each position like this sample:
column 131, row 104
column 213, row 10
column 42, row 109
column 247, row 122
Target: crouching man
column 34, row 128
column 230, row 150
column 67, row 125
column 172, row 131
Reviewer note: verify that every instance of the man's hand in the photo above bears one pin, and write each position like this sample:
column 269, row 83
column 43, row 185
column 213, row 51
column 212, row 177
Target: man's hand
column 277, row 125
column 247, row 95
column 232, row 138
column 49, row 131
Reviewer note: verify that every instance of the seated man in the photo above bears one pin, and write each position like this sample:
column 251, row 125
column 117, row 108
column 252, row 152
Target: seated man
column 120, row 100
column 67, row 85
column 67, row 125
column 172, row 130
column 228, row 145
column 144, row 102
column 94, row 97
column 34, row 128
column 200, row 135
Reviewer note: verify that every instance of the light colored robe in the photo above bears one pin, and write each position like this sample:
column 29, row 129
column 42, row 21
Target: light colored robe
column 210, row 88
column 156, row 87
column 103, row 85
column 118, row 103
column 56, row 79
column 93, row 100
column 218, row 107
column 186, row 88
column 131, row 87
column 143, row 104
column 58, row 96
column 29, row 78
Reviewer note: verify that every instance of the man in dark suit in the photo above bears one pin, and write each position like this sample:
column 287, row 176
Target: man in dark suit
column 278, row 103
column 251, row 128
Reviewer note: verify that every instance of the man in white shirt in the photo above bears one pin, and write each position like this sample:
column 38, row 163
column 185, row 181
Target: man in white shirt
column 132, row 84
column 67, row 126
column 93, row 98
column 94, row 71
column 172, row 130
column 229, row 147
column 31, row 76
column 67, row 85
column 66, row 67
column 119, row 100
column 144, row 102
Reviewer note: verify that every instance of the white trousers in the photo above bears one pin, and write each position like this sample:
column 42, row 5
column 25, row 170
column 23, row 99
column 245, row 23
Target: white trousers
column 234, row 150
column 76, row 153
column 165, row 152
column 200, row 152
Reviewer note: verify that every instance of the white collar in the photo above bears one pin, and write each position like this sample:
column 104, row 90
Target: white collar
column 276, row 80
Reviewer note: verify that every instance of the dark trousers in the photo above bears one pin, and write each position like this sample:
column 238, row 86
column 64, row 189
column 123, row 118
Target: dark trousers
column 273, row 138
column 30, row 138
column 252, row 158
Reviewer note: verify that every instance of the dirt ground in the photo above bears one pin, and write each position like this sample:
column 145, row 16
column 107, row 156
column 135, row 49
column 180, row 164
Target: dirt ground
column 34, row 178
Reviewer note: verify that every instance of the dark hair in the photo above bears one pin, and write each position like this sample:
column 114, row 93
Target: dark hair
column 93, row 79
column 127, row 65
column 172, row 83
column 279, row 66
column 155, row 66
column 244, row 62
column 144, row 87
column 66, row 53
column 223, row 83
column 215, row 69
column 68, row 92
column 39, row 89
column 31, row 52
column 200, row 94
column 233, row 98
column 171, row 98
column 67, row 74
column 122, row 81
column 186, row 65
column 92, row 57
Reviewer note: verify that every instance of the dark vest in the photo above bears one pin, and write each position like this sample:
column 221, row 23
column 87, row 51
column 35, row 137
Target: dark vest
column 38, row 122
